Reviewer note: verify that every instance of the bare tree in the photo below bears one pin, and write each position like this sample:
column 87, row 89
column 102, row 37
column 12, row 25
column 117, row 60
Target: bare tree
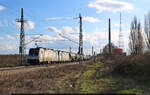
column 132, row 36
column 147, row 29
column 135, row 38
column 140, row 40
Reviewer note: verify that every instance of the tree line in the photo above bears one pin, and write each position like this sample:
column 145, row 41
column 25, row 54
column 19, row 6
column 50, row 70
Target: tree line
column 137, row 38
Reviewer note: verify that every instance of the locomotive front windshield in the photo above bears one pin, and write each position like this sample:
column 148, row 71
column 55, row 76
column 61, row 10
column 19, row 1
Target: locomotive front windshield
column 33, row 52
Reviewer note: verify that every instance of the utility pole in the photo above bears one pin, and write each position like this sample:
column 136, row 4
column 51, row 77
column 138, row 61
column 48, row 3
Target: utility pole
column 80, row 51
column 92, row 51
column 22, row 50
column 109, row 37
column 70, row 49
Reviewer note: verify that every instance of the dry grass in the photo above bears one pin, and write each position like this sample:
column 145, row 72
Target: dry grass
column 133, row 66
column 43, row 80
column 127, row 75
column 130, row 65
column 9, row 60
column 88, row 78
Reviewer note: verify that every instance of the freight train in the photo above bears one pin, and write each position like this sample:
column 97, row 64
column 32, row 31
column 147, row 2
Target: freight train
column 41, row 55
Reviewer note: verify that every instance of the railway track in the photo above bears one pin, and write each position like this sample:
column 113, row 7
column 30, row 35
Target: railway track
column 7, row 72
column 14, row 68
column 36, row 66
column 19, row 70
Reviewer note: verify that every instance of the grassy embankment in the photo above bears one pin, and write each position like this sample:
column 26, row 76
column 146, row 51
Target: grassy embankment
column 103, row 78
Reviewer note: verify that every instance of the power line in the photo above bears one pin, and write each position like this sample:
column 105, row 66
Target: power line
column 33, row 40
column 68, row 39
column 62, row 35
column 80, row 49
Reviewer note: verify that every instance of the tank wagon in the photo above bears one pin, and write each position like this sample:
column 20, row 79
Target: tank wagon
column 41, row 55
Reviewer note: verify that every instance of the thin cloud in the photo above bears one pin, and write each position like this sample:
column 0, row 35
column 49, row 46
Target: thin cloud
column 66, row 31
column 87, row 18
column 110, row 5
column 59, row 18
column 54, row 29
column 29, row 25
column 1, row 38
column 9, row 37
column 91, row 19
column 9, row 46
column 2, row 7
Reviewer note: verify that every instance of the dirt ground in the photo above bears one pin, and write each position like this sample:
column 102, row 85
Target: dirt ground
column 91, row 77
column 59, row 79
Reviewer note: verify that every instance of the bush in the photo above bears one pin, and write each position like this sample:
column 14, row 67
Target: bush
column 133, row 65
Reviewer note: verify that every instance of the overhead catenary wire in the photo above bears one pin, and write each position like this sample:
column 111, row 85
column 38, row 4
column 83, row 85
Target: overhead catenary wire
column 66, row 18
column 17, row 14
column 32, row 40
column 68, row 39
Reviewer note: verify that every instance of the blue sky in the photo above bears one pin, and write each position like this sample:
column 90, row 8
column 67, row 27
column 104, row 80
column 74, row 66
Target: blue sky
column 51, row 17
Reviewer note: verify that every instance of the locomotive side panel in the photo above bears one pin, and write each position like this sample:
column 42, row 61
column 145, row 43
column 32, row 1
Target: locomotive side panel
column 56, row 56
column 64, row 56
column 51, row 56
column 67, row 56
column 41, row 55
column 61, row 56
column 48, row 57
